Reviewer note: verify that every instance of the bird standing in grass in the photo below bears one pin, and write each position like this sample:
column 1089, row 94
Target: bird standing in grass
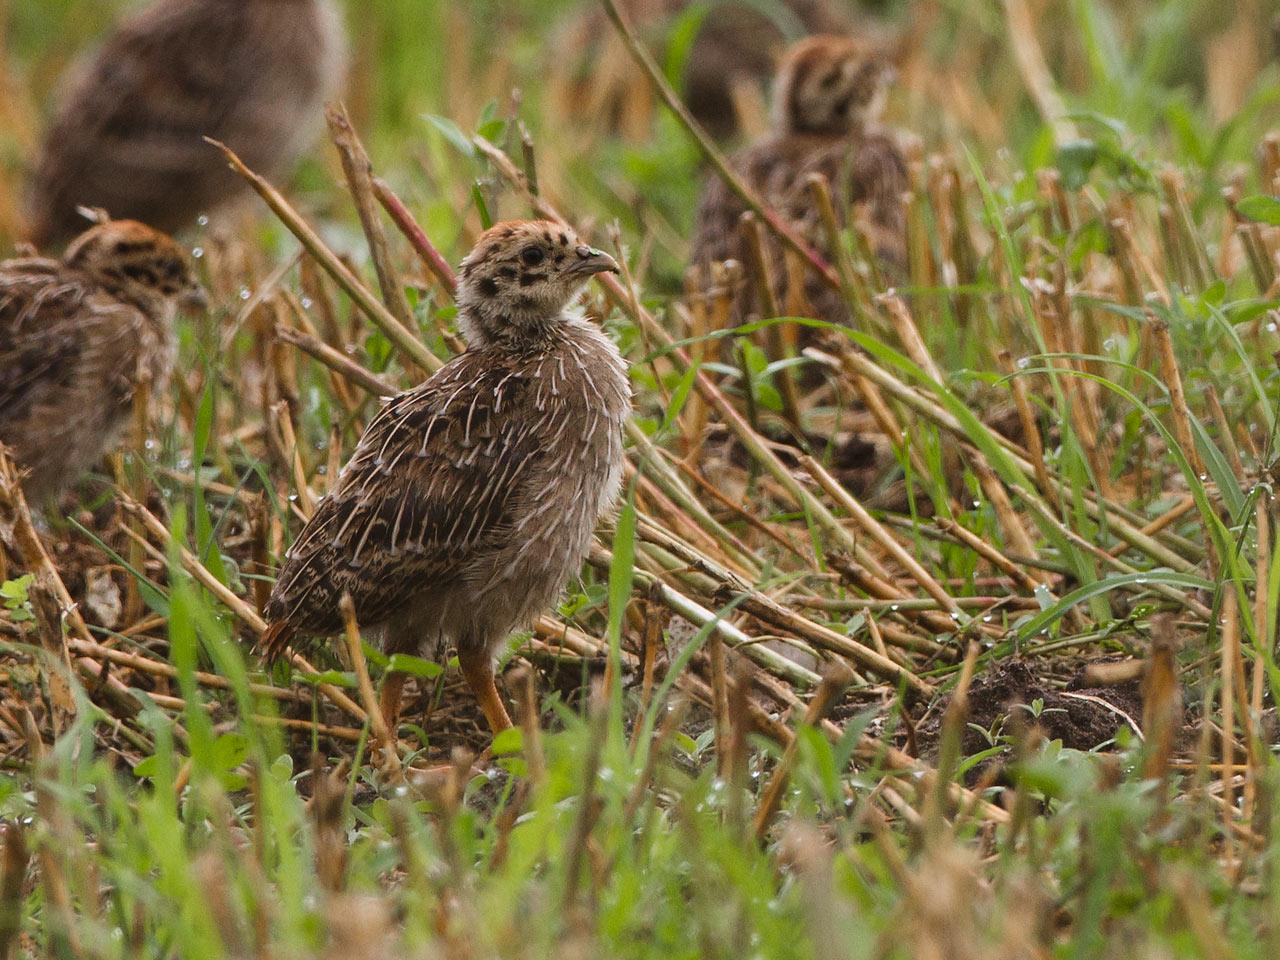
column 127, row 135
column 471, row 498
column 827, row 98
column 78, row 337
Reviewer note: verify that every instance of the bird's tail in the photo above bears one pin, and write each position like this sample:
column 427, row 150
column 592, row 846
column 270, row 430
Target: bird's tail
column 278, row 635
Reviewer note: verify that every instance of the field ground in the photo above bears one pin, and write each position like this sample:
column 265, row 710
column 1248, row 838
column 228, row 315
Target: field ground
column 949, row 636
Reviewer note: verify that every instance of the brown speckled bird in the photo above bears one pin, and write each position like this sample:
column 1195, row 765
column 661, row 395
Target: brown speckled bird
column 127, row 134
column 471, row 498
column 77, row 338
column 827, row 97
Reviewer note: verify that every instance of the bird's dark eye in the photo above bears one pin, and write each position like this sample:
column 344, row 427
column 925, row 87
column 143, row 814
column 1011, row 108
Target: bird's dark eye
column 532, row 256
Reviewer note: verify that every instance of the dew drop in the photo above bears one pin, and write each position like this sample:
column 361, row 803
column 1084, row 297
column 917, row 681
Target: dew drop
column 203, row 220
column 1271, row 327
column 1024, row 362
column 244, row 293
column 307, row 303
column 197, row 252
column 293, row 498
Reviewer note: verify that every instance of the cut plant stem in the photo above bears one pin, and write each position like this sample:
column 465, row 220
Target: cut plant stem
column 239, row 607
column 824, row 698
column 878, row 533
column 760, row 268
column 386, row 740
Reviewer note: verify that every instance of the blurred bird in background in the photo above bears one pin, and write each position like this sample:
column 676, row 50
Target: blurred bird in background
column 827, row 100
column 127, row 133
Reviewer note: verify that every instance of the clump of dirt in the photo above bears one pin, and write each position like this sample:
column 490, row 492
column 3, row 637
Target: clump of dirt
column 1019, row 692
column 1082, row 719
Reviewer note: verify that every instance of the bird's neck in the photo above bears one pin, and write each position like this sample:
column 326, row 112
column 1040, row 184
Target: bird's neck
column 510, row 329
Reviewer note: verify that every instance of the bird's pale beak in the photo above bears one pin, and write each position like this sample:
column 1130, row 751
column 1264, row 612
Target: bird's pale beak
column 591, row 261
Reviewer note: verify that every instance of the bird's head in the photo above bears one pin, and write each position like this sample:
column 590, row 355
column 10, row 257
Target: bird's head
column 137, row 264
column 831, row 85
column 519, row 277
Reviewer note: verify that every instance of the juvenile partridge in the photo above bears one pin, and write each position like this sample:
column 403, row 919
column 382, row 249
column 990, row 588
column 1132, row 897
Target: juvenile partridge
column 127, row 133
column 472, row 497
column 827, row 97
column 78, row 336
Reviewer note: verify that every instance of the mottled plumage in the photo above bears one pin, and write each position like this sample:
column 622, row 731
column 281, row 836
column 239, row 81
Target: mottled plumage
column 77, row 337
column 471, row 498
column 127, row 133
column 827, row 97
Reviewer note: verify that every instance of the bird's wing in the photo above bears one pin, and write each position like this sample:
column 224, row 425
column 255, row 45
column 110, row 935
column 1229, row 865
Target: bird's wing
column 432, row 484
column 39, row 343
column 865, row 170
column 881, row 170
column 715, row 234
column 58, row 334
column 774, row 168
column 868, row 169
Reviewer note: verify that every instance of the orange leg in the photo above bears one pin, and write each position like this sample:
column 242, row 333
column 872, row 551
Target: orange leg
column 389, row 701
column 477, row 670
